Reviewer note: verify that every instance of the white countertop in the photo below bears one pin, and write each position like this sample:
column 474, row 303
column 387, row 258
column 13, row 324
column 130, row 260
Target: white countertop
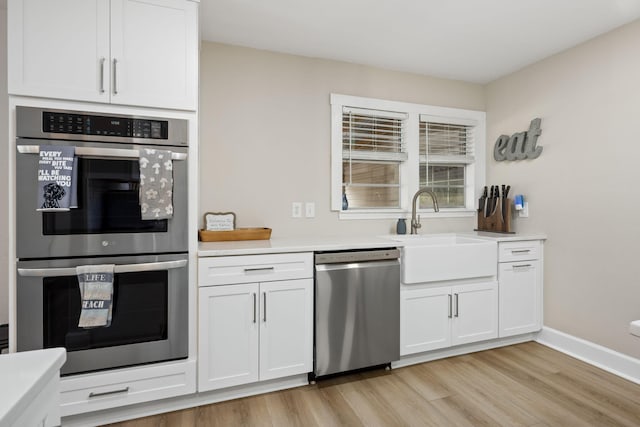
column 23, row 375
column 500, row 237
column 316, row 243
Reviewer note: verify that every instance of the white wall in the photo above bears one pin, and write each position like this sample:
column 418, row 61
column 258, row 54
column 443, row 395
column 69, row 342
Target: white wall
column 4, row 132
column 584, row 188
column 265, row 134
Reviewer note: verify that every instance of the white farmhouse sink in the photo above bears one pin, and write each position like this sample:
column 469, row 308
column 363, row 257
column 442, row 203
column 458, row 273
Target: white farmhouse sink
column 438, row 257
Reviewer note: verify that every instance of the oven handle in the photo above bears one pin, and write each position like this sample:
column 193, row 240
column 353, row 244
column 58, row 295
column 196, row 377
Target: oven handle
column 99, row 152
column 122, row 268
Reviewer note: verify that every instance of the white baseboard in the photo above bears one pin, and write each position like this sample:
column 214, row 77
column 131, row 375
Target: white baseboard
column 413, row 359
column 602, row 357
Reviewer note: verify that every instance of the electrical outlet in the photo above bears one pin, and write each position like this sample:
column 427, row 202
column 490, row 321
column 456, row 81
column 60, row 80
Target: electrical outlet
column 524, row 212
column 296, row 210
column 310, row 210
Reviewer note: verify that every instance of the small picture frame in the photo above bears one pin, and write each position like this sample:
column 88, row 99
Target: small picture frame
column 220, row 221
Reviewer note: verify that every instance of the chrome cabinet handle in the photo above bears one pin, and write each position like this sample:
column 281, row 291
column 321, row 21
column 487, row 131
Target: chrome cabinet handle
column 457, row 313
column 450, row 303
column 521, row 251
column 264, row 313
column 255, row 305
column 99, row 152
column 521, row 266
column 115, row 73
column 248, row 270
column 108, row 393
column 102, row 61
column 122, row 268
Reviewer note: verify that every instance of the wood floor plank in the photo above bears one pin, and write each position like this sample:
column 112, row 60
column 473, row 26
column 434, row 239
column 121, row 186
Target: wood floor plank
column 407, row 405
column 503, row 403
column 576, row 411
column 423, row 382
column 371, row 409
column 526, row 385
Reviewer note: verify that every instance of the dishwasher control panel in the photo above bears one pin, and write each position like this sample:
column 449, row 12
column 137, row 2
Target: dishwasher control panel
column 356, row 256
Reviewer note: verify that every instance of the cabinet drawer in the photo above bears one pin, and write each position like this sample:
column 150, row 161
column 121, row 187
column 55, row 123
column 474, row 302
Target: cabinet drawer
column 518, row 251
column 93, row 392
column 254, row 268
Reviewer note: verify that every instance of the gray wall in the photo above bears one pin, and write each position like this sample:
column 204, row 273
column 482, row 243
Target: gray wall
column 265, row 134
column 583, row 189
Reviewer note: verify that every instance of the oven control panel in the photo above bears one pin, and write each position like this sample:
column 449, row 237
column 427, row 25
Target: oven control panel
column 89, row 124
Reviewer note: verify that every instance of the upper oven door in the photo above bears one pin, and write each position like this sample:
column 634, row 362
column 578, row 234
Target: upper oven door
column 107, row 220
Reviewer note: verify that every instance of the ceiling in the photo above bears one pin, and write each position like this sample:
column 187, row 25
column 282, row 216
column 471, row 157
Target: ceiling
column 471, row 40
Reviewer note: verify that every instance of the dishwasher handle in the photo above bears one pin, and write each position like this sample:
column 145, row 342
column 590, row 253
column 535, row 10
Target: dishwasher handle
column 356, row 265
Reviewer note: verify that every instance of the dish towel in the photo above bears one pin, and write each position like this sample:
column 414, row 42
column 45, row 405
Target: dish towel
column 156, row 184
column 57, row 176
column 96, row 293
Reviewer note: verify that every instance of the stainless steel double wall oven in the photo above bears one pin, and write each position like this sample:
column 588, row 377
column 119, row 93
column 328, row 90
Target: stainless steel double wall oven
column 150, row 301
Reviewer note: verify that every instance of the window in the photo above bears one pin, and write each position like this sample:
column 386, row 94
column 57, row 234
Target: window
column 384, row 151
column 445, row 151
column 373, row 150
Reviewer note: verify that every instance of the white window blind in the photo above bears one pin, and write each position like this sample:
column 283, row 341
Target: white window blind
column 373, row 135
column 373, row 148
column 450, row 141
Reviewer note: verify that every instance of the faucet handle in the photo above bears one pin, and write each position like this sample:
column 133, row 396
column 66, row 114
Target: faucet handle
column 418, row 225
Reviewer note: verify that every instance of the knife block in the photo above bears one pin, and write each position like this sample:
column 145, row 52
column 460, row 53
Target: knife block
column 495, row 222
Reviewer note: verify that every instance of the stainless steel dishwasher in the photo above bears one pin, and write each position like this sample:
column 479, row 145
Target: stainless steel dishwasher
column 357, row 310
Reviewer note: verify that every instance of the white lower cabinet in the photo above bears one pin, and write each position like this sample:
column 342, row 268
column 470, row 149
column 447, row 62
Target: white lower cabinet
column 286, row 328
column 228, row 336
column 258, row 331
column 117, row 388
column 439, row 317
column 520, row 282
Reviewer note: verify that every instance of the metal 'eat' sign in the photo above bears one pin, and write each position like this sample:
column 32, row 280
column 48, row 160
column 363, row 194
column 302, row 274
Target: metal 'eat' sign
column 520, row 145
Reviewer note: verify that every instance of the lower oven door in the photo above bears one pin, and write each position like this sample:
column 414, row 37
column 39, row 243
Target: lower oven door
column 149, row 315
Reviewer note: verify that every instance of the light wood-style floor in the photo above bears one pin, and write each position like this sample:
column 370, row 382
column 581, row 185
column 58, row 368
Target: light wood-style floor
column 522, row 385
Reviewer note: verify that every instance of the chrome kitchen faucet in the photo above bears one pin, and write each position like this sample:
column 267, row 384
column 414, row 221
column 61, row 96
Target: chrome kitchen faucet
column 415, row 222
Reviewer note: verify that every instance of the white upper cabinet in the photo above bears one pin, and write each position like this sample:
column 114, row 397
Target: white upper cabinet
column 154, row 49
column 129, row 52
column 59, row 49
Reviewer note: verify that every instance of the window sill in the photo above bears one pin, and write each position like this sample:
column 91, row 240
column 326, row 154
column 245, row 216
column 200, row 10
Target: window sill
column 386, row 214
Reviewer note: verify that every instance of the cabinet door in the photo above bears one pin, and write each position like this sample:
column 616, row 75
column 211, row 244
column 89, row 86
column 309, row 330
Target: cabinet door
column 227, row 336
column 286, row 328
column 154, row 53
column 475, row 313
column 520, row 297
column 59, row 49
column 425, row 319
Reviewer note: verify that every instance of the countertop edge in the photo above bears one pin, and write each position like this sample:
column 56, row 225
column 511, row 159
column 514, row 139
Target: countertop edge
column 317, row 244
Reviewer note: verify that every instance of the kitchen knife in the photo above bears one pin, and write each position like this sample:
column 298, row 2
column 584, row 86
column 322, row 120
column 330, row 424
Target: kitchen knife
column 488, row 202
column 491, row 201
column 482, row 200
column 505, row 200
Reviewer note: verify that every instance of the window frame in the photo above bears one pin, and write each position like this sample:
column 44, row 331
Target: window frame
column 475, row 177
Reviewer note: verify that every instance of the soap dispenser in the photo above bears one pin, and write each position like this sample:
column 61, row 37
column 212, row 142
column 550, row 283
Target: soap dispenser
column 345, row 202
column 401, row 226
